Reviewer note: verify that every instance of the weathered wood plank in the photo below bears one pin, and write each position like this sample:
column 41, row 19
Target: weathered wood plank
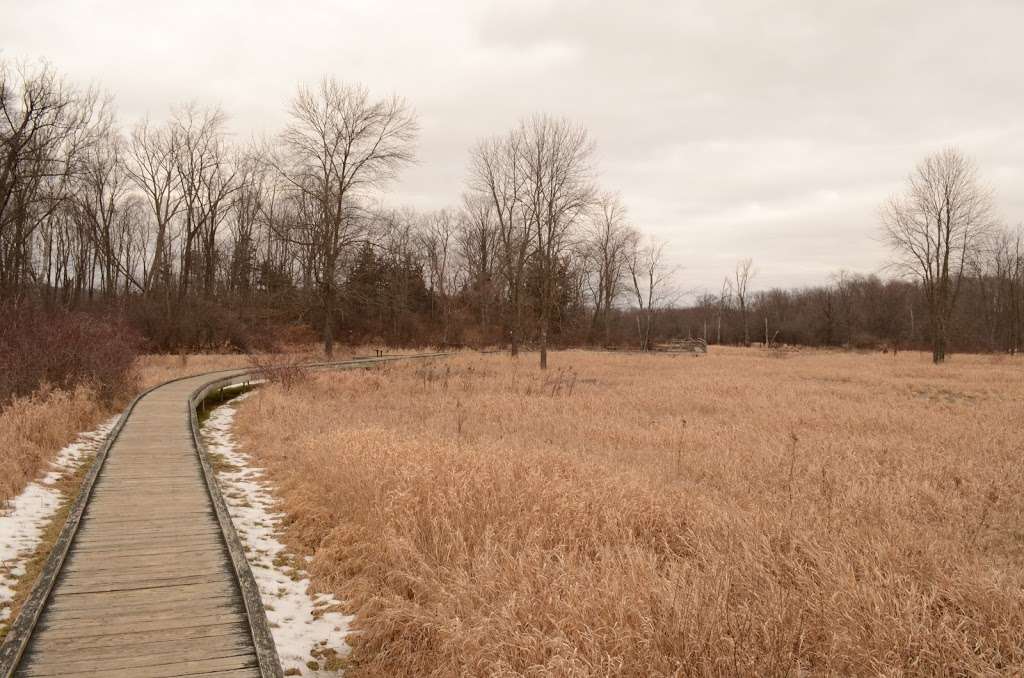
column 113, row 627
column 183, row 635
column 137, row 544
column 135, row 577
column 124, row 522
column 161, row 566
column 150, row 544
column 154, row 594
column 99, row 560
column 142, row 657
column 131, row 536
column 192, row 606
column 170, row 667
column 59, row 655
column 238, row 673
column 100, row 585
column 91, row 562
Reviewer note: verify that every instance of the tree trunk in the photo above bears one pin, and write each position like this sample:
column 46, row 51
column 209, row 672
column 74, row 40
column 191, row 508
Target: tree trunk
column 607, row 322
column 329, row 325
column 329, row 307
column 516, row 324
column 545, row 305
column 938, row 340
column 544, row 347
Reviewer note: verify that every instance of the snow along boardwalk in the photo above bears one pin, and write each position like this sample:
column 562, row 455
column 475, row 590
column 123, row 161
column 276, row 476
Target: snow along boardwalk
column 148, row 578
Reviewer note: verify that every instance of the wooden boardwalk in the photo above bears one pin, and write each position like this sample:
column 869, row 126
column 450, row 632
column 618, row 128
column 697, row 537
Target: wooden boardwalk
column 148, row 578
column 148, row 588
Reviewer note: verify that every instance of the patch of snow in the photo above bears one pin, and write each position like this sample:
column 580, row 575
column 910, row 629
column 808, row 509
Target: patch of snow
column 305, row 627
column 25, row 517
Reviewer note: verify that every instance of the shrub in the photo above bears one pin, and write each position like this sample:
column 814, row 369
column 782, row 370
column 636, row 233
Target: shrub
column 199, row 324
column 287, row 371
column 64, row 350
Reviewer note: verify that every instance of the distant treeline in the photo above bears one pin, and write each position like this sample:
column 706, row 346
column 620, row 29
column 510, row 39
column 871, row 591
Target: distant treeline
column 866, row 312
column 198, row 241
column 195, row 241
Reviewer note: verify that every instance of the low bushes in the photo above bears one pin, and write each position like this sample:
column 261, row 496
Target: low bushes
column 60, row 373
column 63, row 350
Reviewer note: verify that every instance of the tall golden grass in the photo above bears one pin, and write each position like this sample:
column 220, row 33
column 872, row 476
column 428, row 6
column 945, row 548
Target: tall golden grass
column 34, row 428
column 744, row 513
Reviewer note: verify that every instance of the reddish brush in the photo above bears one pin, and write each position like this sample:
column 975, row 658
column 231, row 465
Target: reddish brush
column 64, row 350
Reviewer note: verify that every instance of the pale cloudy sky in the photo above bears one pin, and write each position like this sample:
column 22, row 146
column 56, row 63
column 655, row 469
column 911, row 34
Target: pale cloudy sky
column 760, row 128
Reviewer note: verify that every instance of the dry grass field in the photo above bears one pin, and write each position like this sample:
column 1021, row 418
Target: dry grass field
column 743, row 513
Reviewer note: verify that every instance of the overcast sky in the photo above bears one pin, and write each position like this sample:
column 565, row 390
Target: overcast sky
column 732, row 129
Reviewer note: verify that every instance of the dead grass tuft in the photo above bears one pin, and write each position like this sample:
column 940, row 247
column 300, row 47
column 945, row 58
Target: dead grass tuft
column 34, row 428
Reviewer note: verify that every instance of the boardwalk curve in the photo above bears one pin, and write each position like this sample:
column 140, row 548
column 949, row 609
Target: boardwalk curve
column 148, row 578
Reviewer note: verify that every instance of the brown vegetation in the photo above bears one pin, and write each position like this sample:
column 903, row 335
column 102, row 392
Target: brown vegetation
column 34, row 428
column 62, row 350
column 737, row 514
column 60, row 373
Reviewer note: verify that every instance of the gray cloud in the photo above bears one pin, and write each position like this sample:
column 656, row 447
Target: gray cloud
column 764, row 129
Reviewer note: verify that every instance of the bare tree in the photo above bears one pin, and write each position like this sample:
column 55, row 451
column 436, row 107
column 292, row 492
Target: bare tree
column 340, row 146
column 46, row 126
column 556, row 155
column 609, row 243
column 437, row 241
column 104, row 203
column 935, row 228
column 744, row 273
column 478, row 247
column 151, row 165
column 497, row 174
column 707, row 303
column 247, row 206
column 1006, row 268
column 397, row 237
column 651, row 279
column 724, row 304
column 844, row 303
column 206, row 180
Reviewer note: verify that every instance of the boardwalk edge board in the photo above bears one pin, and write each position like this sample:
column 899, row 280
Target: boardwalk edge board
column 259, row 628
column 20, row 632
